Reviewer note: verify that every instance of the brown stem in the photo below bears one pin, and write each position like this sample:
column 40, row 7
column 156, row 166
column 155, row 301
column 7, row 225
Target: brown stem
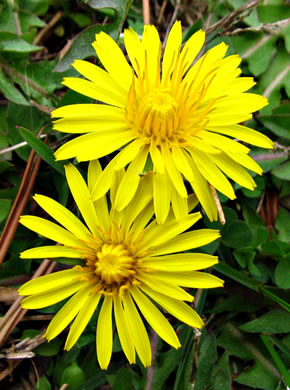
column 150, row 370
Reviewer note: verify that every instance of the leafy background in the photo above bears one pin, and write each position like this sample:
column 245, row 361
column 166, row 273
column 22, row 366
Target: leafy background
column 246, row 342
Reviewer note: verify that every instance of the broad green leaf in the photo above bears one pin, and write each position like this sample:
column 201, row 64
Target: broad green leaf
column 272, row 13
column 282, row 272
column 244, row 255
column 49, row 349
column 259, row 377
column 237, row 234
column 18, row 45
column 283, row 171
column 42, row 150
column 206, row 360
column 22, row 116
column 282, row 224
column 221, row 378
column 81, row 47
column 74, row 376
column 256, row 48
column 275, row 248
column 279, row 121
column 43, row 384
column 275, row 321
column 38, row 7
column 276, row 76
column 10, row 92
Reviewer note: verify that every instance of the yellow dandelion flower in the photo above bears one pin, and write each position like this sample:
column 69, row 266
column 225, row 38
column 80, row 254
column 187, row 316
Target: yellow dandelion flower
column 178, row 113
column 130, row 265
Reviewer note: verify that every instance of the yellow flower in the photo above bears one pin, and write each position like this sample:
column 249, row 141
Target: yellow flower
column 130, row 265
column 173, row 111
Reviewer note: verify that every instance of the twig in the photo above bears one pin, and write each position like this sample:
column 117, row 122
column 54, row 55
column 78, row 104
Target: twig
column 228, row 20
column 17, row 146
column 40, row 107
column 17, row 23
column 49, row 25
column 150, row 370
column 64, row 386
column 16, row 313
column 218, row 204
column 20, row 201
column 271, row 28
column 161, row 12
column 146, row 11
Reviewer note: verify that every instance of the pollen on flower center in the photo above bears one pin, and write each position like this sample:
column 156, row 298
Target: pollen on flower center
column 114, row 265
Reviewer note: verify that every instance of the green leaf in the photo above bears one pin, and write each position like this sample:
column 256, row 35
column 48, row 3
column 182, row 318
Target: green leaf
column 73, row 375
column 282, row 272
column 273, row 79
column 244, row 255
column 42, row 150
column 275, row 321
column 43, row 384
column 279, row 121
column 283, row 171
column 256, row 48
column 81, row 46
column 273, row 13
column 206, row 360
column 38, row 7
column 258, row 377
column 18, row 45
column 49, row 349
column 221, row 378
column 5, row 205
column 10, row 92
column 282, row 224
column 236, row 234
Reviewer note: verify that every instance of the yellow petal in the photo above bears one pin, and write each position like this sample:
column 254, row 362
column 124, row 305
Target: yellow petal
column 179, row 309
column 172, row 50
column 135, row 50
column 162, row 188
column 246, row 161
column 52, row 252
column 138, row 331
column 244, row 134
column 105, row 333
column 82, row 320
column 81, row 195
column 99, row 77
column 83, row 111
column 179, row 204
column 94, row 145
column 187, row 241
column 68, row 312
column 49, row 282
column 160, row 234
column 212, row 173
column 190, row 279
column 104, row 181
column 181, row 163
column 113, row 59
column 152, row 46
column 174, row 175
column 155, row 318
column 50, row 230
column 170, row 289
column 180, row 262
column 63, row 216
column 91, row 90
column 156, row 156
column 38, row 301
column 142, row 197
column 234, row 171
column 223, row 143
column 130, row 181
column 124, row 331
column 191, row 49
column 128, row 154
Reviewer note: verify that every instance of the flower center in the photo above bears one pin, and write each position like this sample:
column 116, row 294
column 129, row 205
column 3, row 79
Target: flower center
column 114, row 265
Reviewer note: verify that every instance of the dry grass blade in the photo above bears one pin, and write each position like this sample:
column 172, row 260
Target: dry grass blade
column 19, row 204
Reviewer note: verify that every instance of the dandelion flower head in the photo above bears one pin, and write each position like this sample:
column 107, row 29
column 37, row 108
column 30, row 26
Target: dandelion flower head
column 177, row 109
column 129, row 265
